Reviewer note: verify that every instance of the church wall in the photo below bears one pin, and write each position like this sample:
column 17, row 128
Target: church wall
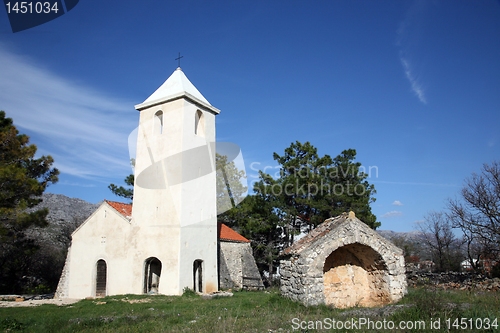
column 199, row 241
column 173, row 205
column 199, row 208
column 157, row 196
column 102, row 236
column 161, row 242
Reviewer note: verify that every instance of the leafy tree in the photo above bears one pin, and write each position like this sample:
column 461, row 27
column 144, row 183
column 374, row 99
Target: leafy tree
column 477, row 213
column 23, row 179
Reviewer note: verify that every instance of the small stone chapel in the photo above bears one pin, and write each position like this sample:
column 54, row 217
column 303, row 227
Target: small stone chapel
column 343, row 263
column 169, row 239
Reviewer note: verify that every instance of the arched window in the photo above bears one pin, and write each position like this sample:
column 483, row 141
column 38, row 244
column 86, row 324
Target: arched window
column 100, row 279
column 158, row 122
column 152, row 272
column 198, row 275
column 199, row 124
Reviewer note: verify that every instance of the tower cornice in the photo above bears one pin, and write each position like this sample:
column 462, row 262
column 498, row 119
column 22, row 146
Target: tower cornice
column 185, row 95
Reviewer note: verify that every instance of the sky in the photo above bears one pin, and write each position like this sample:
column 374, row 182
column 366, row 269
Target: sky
column 413, row 86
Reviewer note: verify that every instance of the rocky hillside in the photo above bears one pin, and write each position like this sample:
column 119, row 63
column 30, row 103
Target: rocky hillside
column 409, row 235
column 62, row 208
column 65, row 215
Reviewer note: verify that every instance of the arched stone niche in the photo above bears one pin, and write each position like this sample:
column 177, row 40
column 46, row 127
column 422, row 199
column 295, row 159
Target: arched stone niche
column 355, row 275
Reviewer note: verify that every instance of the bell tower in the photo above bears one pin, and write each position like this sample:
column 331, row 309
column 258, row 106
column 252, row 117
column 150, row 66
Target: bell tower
column 174, row 214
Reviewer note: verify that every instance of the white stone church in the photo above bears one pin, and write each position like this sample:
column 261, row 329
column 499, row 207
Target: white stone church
column 168, row 240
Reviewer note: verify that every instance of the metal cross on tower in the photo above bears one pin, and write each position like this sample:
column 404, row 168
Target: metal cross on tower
column 179, row 59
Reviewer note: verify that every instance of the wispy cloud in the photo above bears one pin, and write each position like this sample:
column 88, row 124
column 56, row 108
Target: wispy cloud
column 393, row 213
column 397, row 203
column 415, row 85
column 409, row 35
column 83, row 129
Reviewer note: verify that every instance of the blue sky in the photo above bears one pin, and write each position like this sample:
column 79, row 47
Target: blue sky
column 413, row 86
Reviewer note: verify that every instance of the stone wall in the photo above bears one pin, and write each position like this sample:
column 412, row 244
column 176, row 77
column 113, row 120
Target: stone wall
column 237, row 268
column 343, row 263
column 453, row 280
column 63, row 285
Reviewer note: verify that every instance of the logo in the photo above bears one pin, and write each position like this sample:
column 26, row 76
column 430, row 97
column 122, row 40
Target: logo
column 28, row 14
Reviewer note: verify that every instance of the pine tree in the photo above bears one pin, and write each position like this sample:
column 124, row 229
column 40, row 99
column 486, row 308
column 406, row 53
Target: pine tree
column 127, row 193
column 23, row 179
column 313, row 188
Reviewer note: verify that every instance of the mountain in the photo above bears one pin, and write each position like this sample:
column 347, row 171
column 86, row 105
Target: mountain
column 408, row 235
column 63, row 209
column 65, row 215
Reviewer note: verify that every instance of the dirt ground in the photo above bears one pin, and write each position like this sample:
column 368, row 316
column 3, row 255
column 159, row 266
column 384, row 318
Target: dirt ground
column 59, row 302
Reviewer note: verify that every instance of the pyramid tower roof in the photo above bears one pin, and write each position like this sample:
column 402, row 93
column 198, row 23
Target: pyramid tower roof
column 176, row 86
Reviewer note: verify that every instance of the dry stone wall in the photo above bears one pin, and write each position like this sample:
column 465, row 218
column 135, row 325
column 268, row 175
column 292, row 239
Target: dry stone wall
column 453, row 280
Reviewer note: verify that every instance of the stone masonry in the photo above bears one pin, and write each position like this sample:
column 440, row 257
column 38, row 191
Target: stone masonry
column 237, row 268
column 343, row 263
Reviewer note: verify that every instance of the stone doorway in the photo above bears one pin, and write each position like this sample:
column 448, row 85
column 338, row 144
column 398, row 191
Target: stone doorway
column 355, row 275
column 152, row 272
column 101, row 278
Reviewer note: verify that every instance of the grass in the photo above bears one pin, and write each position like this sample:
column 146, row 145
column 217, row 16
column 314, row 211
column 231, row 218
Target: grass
column 244, row 312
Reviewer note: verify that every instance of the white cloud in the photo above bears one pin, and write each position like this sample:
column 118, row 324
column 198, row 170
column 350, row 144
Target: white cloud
column 83, row 129
column 415, row 85
column 397, row 203
column 393, row 213
column 409, row 36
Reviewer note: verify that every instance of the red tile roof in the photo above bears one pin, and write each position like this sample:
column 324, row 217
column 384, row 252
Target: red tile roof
column 122, row 208
column 225, row 233
column 228, row 234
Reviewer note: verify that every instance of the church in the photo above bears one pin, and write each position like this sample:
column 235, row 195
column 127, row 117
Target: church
column 168, row 239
